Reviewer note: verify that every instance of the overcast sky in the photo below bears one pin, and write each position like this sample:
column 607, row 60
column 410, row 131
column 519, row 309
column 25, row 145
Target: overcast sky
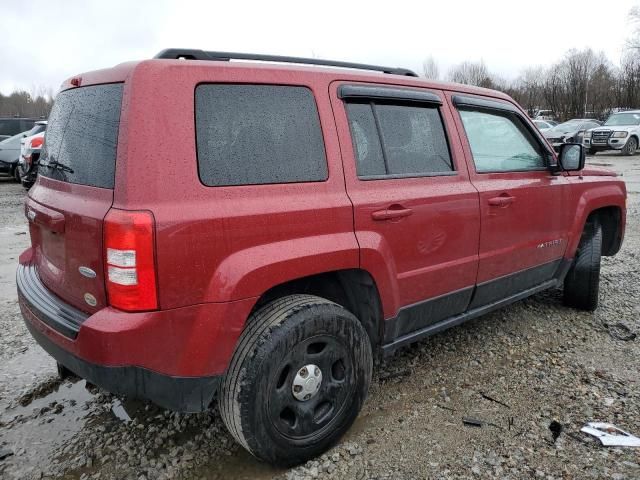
column 44, row 42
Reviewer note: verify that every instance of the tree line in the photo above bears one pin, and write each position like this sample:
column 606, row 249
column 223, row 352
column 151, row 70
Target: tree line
column 34, row 104
column 583, row 84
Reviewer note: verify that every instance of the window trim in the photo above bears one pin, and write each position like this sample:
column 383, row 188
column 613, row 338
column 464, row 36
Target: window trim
column 372, row 96
column 253, row 185
column 370, row 92
column 476, row 104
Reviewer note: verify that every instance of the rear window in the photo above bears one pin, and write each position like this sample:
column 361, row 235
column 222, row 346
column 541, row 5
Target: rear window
column 82, row 136
column 258, row 134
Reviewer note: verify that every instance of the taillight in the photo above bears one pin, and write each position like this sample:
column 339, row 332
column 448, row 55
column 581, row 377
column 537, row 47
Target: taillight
column 129, row 258
column 36, row 142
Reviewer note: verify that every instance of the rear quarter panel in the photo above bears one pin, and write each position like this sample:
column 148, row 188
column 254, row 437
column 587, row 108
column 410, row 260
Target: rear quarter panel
column 217, row 244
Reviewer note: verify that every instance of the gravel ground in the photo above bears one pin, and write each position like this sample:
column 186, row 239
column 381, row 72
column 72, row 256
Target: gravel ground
column 516, row 370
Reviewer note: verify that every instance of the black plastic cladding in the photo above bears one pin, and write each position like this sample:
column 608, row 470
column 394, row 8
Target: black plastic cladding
column 195, row 54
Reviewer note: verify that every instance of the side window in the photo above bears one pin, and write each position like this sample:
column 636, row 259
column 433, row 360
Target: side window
column 500, row 142
column 258, row 134
column 398, row 140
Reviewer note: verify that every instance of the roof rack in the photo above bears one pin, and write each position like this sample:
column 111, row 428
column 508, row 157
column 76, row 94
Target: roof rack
column 194, row 54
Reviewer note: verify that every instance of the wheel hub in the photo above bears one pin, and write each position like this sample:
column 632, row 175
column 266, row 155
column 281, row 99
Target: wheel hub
column 306, row 382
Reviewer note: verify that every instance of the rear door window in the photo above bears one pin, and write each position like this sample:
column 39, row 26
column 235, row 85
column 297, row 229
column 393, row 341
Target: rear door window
column 258, row 134
column 398, row 140
column 82, row 136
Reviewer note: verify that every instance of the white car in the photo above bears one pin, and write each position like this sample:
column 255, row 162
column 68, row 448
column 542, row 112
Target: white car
column 543, row 125
column 621, row 132
column 29, row 153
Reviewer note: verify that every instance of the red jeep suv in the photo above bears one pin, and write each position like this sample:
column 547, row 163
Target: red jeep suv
column 259, row 232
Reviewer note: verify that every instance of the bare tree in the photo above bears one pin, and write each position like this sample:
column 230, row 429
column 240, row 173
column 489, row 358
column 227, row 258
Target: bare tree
column 471, row 73
column 430, row 69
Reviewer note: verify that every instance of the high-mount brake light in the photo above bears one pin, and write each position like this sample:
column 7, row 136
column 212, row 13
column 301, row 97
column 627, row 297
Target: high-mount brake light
column 129, row 259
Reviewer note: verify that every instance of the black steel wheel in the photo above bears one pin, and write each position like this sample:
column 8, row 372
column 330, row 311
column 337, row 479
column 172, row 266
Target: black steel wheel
column 297, row 380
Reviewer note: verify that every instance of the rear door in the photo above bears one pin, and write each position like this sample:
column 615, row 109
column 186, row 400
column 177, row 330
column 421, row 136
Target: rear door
column 74, row 191
column 415, row 210
column 524, row 227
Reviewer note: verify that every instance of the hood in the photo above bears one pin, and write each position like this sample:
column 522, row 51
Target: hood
column 591, row 171
column 560, row 132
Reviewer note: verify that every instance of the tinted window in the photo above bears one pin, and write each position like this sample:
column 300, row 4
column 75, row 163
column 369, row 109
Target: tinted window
column 398, row 140
column 10, row 126
column 258, row 134
column 82, row 136
column 500, row 142
column 365, row 140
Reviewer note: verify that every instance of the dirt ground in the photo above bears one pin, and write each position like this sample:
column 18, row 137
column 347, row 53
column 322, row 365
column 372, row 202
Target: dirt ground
column 516, row 370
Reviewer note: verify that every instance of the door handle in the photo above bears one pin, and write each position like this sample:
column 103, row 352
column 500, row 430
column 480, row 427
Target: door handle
column 392, row 212
column 502, row 201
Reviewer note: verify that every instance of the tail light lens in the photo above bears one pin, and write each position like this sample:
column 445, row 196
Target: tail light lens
column 129, row 257
column 36, row 142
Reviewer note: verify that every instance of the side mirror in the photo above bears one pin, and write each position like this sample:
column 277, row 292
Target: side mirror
column 571, row 157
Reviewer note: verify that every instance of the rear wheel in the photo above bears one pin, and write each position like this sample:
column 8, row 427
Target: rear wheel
column 297, row 380
column 631, row 146
column 582, row 283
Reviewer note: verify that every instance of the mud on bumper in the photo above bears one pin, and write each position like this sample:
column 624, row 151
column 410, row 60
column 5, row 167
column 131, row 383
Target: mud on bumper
column 43, row 311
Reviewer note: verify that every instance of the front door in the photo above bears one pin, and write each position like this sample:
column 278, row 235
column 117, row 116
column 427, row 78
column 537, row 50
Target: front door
column 523, row 225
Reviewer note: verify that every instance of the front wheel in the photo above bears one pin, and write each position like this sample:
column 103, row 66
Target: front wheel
column 16, row 174
column 582, row 283
column 297, row 380
column 631, row 146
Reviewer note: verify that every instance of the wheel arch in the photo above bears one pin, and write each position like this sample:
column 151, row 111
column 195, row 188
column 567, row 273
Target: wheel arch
column 354, row 289
column 610, row 219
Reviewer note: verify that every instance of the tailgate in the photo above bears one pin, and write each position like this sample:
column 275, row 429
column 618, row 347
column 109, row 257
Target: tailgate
column 74, row 192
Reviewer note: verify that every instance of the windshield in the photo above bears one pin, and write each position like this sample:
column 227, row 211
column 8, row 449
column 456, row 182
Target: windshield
column 568, row 125
column 623, row 119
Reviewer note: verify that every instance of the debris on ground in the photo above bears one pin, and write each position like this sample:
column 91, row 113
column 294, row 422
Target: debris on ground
column 610, row 435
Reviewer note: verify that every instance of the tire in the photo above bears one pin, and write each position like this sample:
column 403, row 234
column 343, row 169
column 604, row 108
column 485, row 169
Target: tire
column 256, row 398
column 631, row 147
column 16, row 174
column 592, row 151
column 582, row 283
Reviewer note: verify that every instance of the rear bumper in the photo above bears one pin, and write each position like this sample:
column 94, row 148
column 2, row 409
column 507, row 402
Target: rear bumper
column 181, row 394
column 174, row 358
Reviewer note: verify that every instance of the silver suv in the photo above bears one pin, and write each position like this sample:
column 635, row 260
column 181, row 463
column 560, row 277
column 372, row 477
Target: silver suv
column 621, row 131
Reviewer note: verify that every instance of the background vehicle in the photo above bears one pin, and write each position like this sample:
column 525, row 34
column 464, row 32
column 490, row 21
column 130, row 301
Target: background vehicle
column 319, row 218
column 544, row 124
column 13, row 125
column 544, row 115
column 571, row 131
column 10, row 151
column 621, row 132
column 29, row 159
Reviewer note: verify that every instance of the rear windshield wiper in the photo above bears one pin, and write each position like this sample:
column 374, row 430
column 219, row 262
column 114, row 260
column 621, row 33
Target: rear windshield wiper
column 56, row 165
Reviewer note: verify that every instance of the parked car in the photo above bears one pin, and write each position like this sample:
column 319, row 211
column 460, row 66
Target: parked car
column 10, row 126
column 29, row 159
column 291, row 224
column 544, row 115
column 571, row 131
column 543, row 124
column 10, row 151
column 621, row 132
